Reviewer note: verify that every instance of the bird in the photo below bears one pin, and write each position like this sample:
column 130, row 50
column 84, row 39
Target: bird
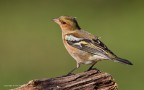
column 83, row 46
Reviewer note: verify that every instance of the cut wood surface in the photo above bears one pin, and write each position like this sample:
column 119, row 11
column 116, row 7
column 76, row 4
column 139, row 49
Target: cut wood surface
column 89, row 80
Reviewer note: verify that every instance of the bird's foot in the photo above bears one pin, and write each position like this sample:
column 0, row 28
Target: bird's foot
column 69, row 74
column 93, row 69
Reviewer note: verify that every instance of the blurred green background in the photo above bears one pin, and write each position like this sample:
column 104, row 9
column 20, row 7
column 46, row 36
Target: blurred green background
column 31, row 45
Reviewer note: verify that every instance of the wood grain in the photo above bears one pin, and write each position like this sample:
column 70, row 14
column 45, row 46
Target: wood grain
column 89, row 80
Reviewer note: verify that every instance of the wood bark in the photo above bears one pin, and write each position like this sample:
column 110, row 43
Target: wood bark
column 89, row 80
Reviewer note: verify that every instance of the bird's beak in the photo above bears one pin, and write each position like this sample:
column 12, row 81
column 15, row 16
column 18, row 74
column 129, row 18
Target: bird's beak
column 56, row 20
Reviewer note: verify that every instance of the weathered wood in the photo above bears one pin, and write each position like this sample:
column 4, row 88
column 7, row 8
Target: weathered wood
column 89, row 80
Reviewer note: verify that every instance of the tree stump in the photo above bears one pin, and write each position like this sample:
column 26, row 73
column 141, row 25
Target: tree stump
column 89, row 80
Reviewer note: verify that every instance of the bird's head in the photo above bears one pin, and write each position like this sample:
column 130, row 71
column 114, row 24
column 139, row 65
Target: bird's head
column 67, row 23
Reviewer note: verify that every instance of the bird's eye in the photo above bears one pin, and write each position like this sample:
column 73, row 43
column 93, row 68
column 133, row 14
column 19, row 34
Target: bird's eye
column 63, row 22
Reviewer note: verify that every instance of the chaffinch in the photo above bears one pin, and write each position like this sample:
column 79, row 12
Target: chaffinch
column 84, row 47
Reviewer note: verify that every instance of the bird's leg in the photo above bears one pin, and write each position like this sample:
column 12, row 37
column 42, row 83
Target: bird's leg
column 78, row 65
column 90, row 68
column 72, row 71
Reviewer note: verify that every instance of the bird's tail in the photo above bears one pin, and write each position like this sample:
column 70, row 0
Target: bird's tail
column 124, row 61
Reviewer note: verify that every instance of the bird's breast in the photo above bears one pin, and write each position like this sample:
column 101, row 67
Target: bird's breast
column 79, row 55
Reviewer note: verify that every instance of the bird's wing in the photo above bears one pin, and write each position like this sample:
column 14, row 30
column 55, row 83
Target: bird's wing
column 93, row 46
column 101, row 45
